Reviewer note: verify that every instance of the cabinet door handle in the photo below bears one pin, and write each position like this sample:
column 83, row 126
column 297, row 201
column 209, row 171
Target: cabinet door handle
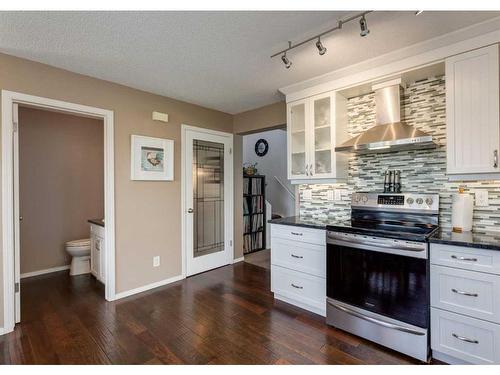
column 464, row 293
column 311, row 169
column 495, row 159
column 463, row 258
column 307, row 169
column 296, row 234
column 297, row 286
column 472, row 341
column 296, row 256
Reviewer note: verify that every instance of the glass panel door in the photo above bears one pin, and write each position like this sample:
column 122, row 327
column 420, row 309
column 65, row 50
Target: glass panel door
column 298, row 139
column 322, row 136
column 208, row 197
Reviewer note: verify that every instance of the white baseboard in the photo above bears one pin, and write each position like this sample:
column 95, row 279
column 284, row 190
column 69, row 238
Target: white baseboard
column 43, row 272
column 2, row 331
column 145, row 288
column 238, row 260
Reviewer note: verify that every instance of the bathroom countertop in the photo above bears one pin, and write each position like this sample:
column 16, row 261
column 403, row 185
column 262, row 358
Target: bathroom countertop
column 482, row 240
column 99, row 222
column 298, row 221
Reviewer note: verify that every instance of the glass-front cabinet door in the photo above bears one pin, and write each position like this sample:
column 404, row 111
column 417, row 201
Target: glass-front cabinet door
column 297, row 140
column 322, row 136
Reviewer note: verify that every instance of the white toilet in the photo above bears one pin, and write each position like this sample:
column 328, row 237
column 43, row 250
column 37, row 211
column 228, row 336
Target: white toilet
column 80, row 253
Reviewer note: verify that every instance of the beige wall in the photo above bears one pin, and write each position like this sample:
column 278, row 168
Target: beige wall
column 147, row 213
column 263, row 118
column 60, row 191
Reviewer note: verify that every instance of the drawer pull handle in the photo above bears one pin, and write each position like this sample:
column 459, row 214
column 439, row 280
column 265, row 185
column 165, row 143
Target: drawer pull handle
column 297, row 286
column 297, row 256
column 464, row 293
column 296, row 234
column 472, row 341
column 463, row 258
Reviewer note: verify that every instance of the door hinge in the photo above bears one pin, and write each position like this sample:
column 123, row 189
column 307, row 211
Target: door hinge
column 17, row 287
column 231, row 243
column 230, row 150
column 14, row 126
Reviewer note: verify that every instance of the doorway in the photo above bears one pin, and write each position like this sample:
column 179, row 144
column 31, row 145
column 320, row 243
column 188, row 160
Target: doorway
column 10, row 193
column 207, row 209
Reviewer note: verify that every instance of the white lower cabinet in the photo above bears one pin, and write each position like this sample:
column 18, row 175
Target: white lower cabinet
column 97, row 252
column 298, row 266
column 465, row 306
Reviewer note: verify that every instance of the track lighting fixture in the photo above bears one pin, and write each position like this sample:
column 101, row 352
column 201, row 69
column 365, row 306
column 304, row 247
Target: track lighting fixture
column 364, row 26
column 286, row 61
column 320, row 47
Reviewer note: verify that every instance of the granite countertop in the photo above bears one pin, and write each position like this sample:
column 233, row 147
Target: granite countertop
column 483, row 240
column 99, row 222
column 303, row 222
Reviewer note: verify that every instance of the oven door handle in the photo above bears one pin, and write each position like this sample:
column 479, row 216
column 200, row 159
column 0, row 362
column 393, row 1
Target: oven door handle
column 376, row 321
column 342, row 241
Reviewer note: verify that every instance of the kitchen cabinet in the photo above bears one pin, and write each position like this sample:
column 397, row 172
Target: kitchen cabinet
column 315, row 126
column 465, row 304
column 298, row 266
column 472, row 112
column 97, row 253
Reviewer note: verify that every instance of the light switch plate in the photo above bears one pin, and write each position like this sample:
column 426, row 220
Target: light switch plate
column 482, row 197
column 330, row 194
column 307, row 194
column 156, row 261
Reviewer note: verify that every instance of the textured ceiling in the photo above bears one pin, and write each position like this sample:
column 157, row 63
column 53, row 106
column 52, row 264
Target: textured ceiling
column 215, row 59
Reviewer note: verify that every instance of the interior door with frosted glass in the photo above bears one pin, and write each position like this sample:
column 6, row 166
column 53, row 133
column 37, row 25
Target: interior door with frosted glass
column 208, row 203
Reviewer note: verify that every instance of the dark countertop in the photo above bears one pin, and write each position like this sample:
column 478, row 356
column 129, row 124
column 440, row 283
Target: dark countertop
column 99, row 222
column 298, row 221
column 482, row 240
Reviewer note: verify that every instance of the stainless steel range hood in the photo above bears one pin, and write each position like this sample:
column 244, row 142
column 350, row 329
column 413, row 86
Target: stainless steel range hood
column 389, row 133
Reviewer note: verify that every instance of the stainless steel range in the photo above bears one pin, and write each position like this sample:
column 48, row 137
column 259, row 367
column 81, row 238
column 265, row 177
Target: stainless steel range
column 378, row 270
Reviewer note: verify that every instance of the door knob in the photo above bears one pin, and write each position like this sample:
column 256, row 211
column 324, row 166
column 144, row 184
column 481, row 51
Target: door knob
column 190, row 210
column 20, row 218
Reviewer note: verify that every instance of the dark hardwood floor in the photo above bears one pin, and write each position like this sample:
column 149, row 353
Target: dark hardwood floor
column 225, row 316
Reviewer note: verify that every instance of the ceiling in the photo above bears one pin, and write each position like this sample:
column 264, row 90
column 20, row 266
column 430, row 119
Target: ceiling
column 218, row 60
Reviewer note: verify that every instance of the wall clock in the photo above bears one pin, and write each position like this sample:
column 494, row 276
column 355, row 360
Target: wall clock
column 261, row 147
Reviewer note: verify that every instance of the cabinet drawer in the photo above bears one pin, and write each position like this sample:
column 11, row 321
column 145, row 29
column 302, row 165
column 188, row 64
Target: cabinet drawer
column 466, row 292
column 467, row 258
column 306, row 289
column 299, row 256
column 468, row 339
column 307, row 235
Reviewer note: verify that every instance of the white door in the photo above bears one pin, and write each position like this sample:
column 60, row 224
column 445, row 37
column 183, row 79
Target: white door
column 472, row 112
column 208, row 206
column 17, row 216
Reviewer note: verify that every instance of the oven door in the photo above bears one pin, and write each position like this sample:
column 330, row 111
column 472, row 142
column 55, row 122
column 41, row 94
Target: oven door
column 373, row 277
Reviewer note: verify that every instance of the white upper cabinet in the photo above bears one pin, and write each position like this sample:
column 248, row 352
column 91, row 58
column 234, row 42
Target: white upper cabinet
column 315, row 126
column 472, row 112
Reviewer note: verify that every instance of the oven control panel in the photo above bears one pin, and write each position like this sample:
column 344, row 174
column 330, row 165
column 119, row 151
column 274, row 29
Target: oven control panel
column 407, row 201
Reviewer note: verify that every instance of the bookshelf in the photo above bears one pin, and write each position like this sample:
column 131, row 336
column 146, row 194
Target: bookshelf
column 254, row 213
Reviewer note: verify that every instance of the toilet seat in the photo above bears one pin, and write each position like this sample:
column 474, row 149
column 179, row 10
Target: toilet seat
column 78, row 243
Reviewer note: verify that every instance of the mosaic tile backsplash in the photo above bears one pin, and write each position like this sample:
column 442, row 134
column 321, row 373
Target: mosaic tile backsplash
column 422, row 171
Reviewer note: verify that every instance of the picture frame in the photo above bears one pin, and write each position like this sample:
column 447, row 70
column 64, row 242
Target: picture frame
column 151, row 159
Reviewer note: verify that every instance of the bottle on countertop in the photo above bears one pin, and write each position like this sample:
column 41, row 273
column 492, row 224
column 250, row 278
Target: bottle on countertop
column 397, row 182
column 388, row 181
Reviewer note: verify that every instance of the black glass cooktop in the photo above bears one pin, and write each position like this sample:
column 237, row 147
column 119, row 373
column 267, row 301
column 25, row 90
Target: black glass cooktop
column 393, row 225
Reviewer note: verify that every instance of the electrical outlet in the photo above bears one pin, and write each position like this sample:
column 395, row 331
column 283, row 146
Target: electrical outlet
column 307, row 194
column 330, row 194
column 481, row 198
column 156, row 261
column 338, row 194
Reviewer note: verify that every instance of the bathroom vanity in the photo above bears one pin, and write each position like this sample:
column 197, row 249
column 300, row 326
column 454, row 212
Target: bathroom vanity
column 97, row 253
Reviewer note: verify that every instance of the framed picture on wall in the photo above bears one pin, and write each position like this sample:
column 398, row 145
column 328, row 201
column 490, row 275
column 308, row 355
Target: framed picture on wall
column 152, row 159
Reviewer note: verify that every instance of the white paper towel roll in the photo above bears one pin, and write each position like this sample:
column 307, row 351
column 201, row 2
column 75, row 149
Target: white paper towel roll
column 461, row 212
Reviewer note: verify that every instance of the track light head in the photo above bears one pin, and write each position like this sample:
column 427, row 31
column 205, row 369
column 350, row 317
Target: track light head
column 364, row 26
column 320, row 47
column 418, row 12
column 285, row 60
